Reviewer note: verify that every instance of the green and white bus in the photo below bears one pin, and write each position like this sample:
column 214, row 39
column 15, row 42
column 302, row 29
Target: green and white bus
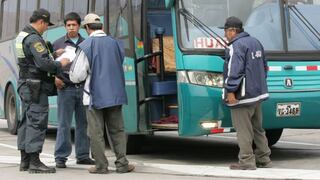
column 174, row 61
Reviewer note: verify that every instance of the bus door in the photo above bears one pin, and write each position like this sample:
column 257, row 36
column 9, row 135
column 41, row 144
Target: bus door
column 121, row 27
column 150, row 73
column 161, row 66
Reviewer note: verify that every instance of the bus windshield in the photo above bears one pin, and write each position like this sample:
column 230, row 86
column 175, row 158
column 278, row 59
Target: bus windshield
column 261, row 19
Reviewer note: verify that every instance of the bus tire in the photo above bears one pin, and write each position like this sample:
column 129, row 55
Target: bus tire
column 135, row 143
column 11, row 113
column 273, row 136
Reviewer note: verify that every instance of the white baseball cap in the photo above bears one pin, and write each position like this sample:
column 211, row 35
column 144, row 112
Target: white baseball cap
column 91, row 19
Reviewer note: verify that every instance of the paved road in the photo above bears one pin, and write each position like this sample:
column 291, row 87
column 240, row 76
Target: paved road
column 296, row 156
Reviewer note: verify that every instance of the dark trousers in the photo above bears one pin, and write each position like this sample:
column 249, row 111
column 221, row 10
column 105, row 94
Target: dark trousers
column 111, row 120
column 33, row 125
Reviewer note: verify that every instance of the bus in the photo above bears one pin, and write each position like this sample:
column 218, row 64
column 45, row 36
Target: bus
column 14, row 15
column 174, row 61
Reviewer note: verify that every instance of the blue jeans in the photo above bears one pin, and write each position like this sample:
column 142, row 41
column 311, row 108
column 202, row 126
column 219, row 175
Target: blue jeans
column 69, row 101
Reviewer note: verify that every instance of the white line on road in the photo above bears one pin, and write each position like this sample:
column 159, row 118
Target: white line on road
column 283, row 142
column 264, row 173
column 299, row 143
column 15, row 147
column 193, row 170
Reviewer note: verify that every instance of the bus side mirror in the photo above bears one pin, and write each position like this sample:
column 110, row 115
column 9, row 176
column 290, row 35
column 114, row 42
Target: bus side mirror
column 169, row 3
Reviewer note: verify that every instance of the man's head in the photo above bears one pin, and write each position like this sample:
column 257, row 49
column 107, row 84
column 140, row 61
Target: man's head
column 92, row 22
column 232, row 27
column 40, row 20
column 72, row 22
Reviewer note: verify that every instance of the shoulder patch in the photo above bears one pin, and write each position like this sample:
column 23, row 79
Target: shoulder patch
column 39, row 47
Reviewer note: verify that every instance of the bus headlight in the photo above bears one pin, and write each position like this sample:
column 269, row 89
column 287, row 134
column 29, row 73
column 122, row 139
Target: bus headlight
column 206, row 78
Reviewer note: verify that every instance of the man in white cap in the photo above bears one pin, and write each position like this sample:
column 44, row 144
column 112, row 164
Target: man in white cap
column 99, row 62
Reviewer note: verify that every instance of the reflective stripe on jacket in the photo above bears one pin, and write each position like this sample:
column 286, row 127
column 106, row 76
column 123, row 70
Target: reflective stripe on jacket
column 245, row 59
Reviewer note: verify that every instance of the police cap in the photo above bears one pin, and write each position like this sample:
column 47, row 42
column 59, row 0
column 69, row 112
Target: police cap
column 41, row 14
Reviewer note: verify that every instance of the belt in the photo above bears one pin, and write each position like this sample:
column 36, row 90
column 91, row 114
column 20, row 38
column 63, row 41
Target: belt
column 78, row 85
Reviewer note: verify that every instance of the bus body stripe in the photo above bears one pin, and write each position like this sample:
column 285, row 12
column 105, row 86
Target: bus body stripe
column 301, row 68
column 312, row 68
column 274, row 68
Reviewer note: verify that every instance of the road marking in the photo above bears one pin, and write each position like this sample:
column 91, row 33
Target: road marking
column 299, row 143
column 191, row 170
column 214, row 171
column 49, row 161
column 283, row 142
column 15, row 147
column 195, row 170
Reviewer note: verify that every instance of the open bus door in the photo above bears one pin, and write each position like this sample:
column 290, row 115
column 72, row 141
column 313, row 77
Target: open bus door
column 120, row 26
column 124, row 20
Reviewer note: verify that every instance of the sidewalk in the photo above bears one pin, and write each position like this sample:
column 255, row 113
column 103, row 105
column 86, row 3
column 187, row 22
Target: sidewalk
column 182, row 170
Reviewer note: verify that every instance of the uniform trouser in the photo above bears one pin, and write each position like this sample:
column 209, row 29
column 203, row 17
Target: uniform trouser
column 33, row 125
column 109, row 119
column 69, row 102
column 248, row 123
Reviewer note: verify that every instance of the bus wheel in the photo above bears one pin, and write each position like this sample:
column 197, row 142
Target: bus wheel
column 135, row 143
column 273, row 135
column 11, row 110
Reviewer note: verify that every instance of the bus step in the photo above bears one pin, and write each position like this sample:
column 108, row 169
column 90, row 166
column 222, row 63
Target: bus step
column 172, row 109
column 173, row 106
column 170, row 122
column 165, row 126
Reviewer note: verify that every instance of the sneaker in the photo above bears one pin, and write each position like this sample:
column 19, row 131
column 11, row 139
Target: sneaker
column 238, row 166
column 61, row 165
column 94, row 170
column 264, row 164
column 126, row 169
column 87, row 161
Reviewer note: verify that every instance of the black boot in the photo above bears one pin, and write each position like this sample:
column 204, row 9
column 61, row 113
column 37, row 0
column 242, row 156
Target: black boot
column 36, row 166
column 25, row 160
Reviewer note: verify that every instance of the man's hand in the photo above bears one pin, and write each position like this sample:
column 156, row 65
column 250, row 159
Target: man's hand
column 59, row 52
column 231, row 98
column 64, row 62
column 59, row 83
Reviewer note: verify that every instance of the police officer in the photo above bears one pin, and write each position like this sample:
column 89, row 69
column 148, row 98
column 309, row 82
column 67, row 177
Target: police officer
column 34, row 85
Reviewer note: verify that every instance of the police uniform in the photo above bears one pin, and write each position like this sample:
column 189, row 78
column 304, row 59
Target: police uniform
column 35, row 62
column 34, row 85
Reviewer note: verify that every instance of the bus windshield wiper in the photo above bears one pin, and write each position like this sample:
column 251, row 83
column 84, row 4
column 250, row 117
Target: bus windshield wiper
column 186, row 23
column 202, row 26
column 305, row 21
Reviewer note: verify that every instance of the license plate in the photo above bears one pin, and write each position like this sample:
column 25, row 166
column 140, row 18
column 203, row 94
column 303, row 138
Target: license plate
column 288, row 109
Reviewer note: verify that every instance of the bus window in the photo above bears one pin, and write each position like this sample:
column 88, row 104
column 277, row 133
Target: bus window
column 261, row 19
column 26, row 9
column 118, row 22
column 156, row 4
column 300, row 34
column 76, row 6
column 99, row 7
column 136, row 9
column 9, row 10
column 54, row 7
